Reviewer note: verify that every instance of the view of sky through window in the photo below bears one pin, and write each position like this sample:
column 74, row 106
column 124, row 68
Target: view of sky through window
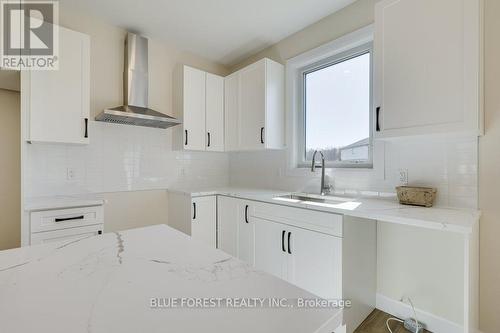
column 337, row 110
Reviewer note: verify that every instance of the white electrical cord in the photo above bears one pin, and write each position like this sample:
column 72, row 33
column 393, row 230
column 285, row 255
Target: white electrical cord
column 388, row 320
column 402, row 321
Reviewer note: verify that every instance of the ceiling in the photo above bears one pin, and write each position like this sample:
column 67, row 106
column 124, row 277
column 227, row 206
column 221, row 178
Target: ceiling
column 224, row 31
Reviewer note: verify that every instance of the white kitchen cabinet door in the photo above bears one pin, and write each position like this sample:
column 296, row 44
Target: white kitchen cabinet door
column 270, row 251
column 254, row 107
column 314, row 262
column 231, row 111
column 228, row 215
column 204, row 220
column 56, row 102
column 246, row 233
column 428, row 67
column 252, row 114
column 214, row 112
column 194, row 93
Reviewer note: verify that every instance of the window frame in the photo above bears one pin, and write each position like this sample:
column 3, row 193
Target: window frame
column 301, row 99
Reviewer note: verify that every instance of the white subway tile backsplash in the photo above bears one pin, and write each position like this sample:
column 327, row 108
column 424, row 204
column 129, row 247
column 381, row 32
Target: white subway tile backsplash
column 449, row 164
column 119, row 158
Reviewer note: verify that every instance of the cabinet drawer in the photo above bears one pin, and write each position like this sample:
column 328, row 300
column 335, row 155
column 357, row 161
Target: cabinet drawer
column 66, row 234
column 327, row 223
column 66, row 218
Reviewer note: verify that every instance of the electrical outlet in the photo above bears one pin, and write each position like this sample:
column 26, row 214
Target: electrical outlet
column 403, row 176
column 70, row 174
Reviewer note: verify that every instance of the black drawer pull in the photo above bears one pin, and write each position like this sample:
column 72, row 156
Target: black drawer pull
column 377, row 124
column 246, row 213
column 262, row 135
column 86, row 128
column 194, row 210
column 99, row 232
column 283, row 241
column 186, row 142
column 289, row 249
column 208, row 139
column 81, row 217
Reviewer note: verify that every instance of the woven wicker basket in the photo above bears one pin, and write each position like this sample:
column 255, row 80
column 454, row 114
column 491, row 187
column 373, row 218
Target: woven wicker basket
column 416, row 196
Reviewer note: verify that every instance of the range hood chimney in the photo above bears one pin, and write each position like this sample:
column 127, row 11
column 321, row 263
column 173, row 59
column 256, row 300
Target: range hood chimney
column 135, row 110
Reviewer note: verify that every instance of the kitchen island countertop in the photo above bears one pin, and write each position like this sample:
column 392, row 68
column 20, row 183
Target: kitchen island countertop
column 108, row 284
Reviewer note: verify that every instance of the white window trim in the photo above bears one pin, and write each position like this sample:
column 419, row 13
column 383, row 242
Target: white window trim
column 294, row 68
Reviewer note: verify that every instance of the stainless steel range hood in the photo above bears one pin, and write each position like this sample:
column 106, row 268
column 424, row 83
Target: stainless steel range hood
column 135, row 110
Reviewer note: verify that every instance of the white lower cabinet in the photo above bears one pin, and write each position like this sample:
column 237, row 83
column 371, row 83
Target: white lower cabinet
column 270, row 253
column 236, row 234
column 329, row 255
column 66, row 234
column 314, row 262
column 203, row 222
column 307, row 259
column 48, row 226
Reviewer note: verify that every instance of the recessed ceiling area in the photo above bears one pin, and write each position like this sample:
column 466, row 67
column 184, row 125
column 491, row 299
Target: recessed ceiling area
column 224, row 31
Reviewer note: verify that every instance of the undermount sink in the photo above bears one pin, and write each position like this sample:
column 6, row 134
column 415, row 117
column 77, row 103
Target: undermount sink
column 299, row 197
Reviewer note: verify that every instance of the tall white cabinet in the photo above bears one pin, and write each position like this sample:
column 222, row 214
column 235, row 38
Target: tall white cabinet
column 56, row 102
column 428, row 67
column 202, row 109
column 255, row 107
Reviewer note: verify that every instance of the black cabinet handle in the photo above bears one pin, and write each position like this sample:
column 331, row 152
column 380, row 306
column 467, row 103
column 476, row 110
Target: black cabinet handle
column 262, row 135
column 194, row 210
column 99, row 232
column 186, row 139
column 208, row 139
column 246, row 213
column 289, row 249
column 283, row 241
column 81, row 217
column 377, row 124
column 86, row 135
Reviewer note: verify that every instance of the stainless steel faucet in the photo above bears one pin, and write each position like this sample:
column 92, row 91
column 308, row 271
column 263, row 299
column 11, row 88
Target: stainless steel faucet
column 324, row 188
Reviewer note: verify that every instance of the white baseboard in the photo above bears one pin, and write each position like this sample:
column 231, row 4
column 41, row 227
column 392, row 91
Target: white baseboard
column 432, row 322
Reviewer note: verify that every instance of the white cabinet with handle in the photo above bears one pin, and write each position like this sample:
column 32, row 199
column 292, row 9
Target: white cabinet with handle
column 254, row 107
column 236, row 234
column 308, row 259
column 65, row 224
column 428, row 67
column 203, row 222
column 202, row 108
column 195, row 216
column 56, row 102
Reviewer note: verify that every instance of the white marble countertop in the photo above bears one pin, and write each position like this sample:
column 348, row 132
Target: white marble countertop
column 106, row 283
column 380, row 209
column 61, row 202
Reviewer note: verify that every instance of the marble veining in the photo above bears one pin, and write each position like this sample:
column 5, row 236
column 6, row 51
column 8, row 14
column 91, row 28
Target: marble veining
column 105, row 283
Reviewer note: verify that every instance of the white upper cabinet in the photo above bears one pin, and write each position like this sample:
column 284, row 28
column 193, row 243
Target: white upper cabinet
column 428, row 67
column 202, row 110
column 215, row 112
column 194, row 94
column 254, row 107
column 56, row 103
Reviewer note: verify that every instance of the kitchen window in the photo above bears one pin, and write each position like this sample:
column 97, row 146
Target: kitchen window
column 335, row 114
